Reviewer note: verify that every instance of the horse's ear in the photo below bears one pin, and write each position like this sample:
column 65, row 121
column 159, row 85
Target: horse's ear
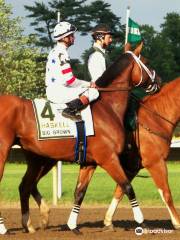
column 137, row 51
column 127, row 47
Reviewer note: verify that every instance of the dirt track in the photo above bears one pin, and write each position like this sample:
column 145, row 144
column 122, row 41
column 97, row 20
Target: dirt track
column 91, row 224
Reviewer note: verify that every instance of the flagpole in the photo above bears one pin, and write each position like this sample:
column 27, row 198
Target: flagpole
column 127, row 20
column 58, row 16
column 57, row 169
column 59, row 164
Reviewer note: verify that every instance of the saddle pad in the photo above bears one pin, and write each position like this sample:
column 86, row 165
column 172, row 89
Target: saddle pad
column 52, row 125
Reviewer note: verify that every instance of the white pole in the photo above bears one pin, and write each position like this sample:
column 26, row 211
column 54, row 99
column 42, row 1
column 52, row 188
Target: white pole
column 127, row 20
column 58, row 16
column 57, row 172
column 59, row 179
column 54, row 172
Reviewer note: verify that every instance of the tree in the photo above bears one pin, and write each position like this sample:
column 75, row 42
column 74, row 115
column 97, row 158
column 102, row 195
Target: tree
column 82, row 15
column 20, row 73
column 163, row 48
column 171, row 35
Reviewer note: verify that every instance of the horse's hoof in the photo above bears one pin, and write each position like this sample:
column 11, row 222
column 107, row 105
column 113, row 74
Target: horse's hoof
column 30, row 230
column 109, row 228
column 76, row 231
column 9, row 233
column 176, row 227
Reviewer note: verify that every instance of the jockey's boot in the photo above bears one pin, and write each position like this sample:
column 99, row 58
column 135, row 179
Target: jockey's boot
column 74, row 108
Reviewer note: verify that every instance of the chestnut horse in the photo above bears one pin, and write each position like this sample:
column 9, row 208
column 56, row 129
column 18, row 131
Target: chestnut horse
column 157, row 118
column 17, row 122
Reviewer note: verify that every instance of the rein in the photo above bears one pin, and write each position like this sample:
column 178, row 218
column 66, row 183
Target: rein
column 112, row 89
column 163, row 136
column 142, row 67
column 152, row 111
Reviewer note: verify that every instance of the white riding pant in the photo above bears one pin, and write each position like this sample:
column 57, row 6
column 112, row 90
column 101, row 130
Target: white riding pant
column 61, row 94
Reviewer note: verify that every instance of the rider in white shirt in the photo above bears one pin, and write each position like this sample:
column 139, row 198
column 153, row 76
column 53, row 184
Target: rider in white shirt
column 97, row 63
column 61, row 84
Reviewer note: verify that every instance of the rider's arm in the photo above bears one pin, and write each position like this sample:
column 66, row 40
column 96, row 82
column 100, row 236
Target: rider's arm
column 68, row 77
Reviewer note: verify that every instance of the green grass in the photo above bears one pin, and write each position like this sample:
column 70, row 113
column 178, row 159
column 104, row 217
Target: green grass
column 100, row 189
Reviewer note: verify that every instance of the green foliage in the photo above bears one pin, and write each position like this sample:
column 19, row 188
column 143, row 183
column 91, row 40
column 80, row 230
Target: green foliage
column 20, row 73
column 163, row 49
column 84, row 16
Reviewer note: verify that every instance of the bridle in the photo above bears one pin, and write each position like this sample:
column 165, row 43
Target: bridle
column 153, row 86
column 142, row 67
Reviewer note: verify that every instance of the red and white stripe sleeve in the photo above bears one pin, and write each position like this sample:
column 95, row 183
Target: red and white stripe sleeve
column 70, row 80
column 68, row 75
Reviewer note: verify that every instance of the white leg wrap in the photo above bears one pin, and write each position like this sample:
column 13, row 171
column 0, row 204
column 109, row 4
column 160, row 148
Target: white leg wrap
column 3, row 229
column 72, row 221
column 138, row 216
column 110, row 212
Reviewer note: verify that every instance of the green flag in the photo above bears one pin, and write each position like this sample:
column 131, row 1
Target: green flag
column 134, row 34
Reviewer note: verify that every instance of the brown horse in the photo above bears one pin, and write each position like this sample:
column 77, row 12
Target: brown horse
column 18, row 122
column 157, row 118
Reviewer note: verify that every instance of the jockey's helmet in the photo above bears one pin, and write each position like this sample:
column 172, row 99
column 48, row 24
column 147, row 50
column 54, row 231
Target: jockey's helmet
column 63, row 29
column 100, row 31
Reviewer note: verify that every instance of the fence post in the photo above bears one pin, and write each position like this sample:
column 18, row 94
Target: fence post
column 54, row 172
column 59, row 179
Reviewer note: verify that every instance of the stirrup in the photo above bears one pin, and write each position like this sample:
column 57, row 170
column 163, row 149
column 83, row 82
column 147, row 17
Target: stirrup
column 73, row 115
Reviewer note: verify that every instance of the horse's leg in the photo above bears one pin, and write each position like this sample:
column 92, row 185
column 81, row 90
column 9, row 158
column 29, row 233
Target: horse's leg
column 3, row 229
column 115, row 170
column 118, row 195
column 43, row 207
column 159, row 174
column 85, row 175
column 4, row 149
column 33, row 170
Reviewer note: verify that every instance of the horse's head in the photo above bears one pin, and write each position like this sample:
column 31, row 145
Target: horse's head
column 130, row 67
column 142, row 74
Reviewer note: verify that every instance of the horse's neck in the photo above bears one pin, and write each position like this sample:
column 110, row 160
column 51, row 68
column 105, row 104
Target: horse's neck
column 167, row 105
column 117, row 99
column 172, row 104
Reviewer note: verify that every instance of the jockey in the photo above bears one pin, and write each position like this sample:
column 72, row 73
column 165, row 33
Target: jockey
column 98, row 58
column 61, row 84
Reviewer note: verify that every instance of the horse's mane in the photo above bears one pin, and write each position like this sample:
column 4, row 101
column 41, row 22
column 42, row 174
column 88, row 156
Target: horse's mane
column 113, row 70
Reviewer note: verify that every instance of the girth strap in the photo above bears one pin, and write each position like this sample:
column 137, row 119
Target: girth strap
column 80, row 148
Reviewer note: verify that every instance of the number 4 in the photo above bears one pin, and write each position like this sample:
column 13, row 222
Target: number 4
column 47, row 112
